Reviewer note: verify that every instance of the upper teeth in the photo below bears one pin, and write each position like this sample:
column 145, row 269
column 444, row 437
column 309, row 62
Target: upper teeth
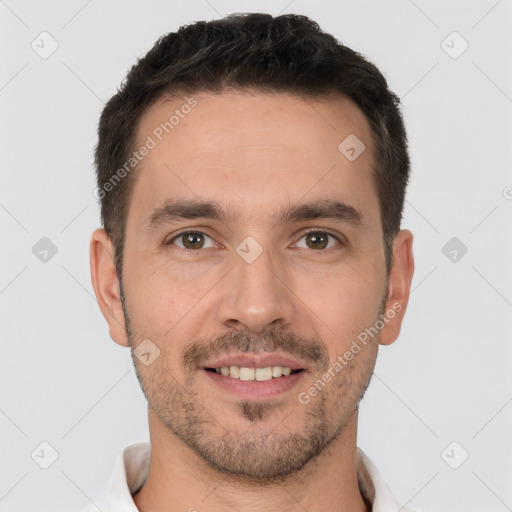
column 244, row 373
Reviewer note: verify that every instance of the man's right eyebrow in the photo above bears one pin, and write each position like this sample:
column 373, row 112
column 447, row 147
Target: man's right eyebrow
column 172, row 210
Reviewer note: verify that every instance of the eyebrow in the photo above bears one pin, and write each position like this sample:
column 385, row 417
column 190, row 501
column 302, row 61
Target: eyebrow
column 332, row 209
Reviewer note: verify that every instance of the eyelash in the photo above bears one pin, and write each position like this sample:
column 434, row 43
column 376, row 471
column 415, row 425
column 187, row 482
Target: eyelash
column 322, row 231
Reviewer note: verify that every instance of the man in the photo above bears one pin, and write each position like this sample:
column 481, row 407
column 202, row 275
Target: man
column 252, row 173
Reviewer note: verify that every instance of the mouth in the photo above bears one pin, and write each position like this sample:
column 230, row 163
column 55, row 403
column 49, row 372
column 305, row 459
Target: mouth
column 260, row 374
column 255, row 376
column 251, row 383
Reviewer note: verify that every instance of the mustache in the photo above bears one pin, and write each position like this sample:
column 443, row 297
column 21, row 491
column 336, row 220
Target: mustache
column 276, row 340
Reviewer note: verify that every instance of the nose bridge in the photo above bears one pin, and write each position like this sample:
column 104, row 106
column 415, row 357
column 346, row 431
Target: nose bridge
column 255, row 292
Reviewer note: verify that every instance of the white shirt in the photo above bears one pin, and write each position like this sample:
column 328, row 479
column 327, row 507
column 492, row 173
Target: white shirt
column 132, row 467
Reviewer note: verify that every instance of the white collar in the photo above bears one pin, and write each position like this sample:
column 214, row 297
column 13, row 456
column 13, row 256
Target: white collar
column 132, row 467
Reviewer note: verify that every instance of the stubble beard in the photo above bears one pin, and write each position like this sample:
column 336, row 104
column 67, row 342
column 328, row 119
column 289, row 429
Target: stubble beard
column 256, row 455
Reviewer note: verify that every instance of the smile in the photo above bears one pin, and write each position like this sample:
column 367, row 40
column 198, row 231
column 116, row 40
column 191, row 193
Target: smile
column 259, row 374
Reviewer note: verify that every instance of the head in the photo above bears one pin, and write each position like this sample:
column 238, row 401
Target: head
column 252, row 173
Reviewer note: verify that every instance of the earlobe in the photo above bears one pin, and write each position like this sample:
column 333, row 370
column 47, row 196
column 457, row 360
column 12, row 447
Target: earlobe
column 400, row 278
column 106, row 285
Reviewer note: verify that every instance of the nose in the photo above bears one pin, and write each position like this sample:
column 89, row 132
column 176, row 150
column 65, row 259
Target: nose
column 256, row 295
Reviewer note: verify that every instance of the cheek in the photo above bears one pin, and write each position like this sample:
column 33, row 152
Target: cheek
column 344, row 305
column 163, row 294
column 161, row 380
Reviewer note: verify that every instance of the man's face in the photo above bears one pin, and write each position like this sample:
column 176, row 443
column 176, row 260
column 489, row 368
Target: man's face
column 271, row 278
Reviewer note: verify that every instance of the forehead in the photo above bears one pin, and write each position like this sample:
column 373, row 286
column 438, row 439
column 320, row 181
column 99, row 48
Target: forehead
column 253, row 150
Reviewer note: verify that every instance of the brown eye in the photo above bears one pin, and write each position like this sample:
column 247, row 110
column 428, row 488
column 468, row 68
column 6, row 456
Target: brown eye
column 318, row 240
column 192, row 240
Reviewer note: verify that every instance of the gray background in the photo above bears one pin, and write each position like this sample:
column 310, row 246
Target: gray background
column 448, row 376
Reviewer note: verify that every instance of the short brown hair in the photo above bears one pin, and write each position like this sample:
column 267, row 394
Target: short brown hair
column 288, row 53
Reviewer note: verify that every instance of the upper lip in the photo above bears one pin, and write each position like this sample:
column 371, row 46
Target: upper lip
column 257, row 361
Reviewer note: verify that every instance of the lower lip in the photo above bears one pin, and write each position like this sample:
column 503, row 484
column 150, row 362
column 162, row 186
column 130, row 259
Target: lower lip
column 254, row 388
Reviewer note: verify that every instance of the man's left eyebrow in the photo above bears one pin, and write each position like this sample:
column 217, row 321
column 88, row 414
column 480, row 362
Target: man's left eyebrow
column 331, row 209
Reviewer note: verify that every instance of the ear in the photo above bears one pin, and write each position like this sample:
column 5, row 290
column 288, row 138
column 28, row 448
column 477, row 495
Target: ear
column 106, row 285
column 400, row 278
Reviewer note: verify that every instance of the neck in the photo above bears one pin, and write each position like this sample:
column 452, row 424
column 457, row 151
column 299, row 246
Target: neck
column 179, row 479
